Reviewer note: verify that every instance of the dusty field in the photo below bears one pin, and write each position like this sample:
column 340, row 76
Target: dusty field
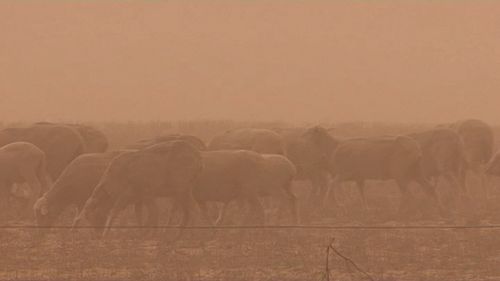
column 265, row 254
column 268, row 254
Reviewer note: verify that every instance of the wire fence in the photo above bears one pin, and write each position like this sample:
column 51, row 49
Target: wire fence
column 221, row 227
column 258, row 252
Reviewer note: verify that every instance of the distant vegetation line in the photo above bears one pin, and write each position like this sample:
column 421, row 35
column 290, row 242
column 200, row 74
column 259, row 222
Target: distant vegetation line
column 123, row 133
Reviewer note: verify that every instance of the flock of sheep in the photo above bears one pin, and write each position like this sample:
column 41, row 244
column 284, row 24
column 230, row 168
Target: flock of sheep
column 65, row 165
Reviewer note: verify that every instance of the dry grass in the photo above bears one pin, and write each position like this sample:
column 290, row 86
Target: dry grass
column 262, row 254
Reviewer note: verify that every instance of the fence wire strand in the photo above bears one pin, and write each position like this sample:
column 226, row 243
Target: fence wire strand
column 221, row 227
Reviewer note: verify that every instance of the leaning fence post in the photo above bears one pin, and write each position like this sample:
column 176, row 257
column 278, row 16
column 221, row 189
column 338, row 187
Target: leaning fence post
column 327, row 265
column 329, row 248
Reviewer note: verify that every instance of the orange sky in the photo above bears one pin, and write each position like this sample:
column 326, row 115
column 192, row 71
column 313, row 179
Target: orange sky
column 295, row 60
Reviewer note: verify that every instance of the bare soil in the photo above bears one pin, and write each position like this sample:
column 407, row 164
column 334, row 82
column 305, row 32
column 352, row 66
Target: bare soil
column 270, row 254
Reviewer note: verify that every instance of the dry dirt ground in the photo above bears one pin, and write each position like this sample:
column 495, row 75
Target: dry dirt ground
column 271, row 254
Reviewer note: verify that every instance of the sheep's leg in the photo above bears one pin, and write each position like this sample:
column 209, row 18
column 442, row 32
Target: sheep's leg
column 152, row 220
column 257, row 209
column 222, row 213
column 361, row 188
column 138, row 211
column 291, row 200
column 204, row 212
column 113, row 215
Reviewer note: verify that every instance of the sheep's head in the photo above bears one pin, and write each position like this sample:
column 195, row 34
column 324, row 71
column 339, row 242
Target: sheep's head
column 41, row 209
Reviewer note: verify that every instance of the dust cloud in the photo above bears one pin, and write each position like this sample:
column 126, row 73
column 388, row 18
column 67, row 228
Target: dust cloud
column 410, row 61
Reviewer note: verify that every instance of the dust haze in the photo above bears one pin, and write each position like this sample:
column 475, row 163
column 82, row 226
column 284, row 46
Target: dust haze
column 410, row 61
column 250, row 140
